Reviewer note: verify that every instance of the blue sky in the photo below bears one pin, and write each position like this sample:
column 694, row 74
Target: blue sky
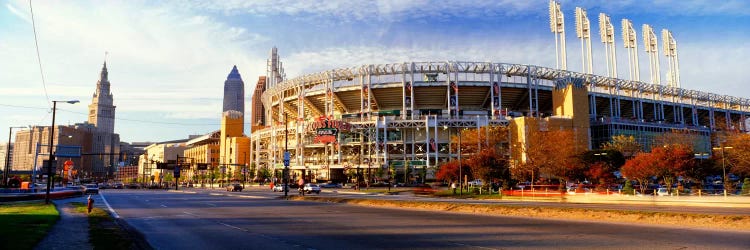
column 168, row 59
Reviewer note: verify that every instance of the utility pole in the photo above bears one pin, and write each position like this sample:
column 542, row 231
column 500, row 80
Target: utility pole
column 285, row 175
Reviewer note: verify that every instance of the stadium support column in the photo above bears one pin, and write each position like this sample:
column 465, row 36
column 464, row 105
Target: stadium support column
column 531, row 83
column 583, row 31
column 669, row 45
column 557, row 26
column 427, row 139
column 495, row 90
column 630, row 41
column 435, row 142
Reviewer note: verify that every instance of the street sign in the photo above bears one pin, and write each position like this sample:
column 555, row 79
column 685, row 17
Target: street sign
column 45, row 166
column 286, row 158
column 177, row 172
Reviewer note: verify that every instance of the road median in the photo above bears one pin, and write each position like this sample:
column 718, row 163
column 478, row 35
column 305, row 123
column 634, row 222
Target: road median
column 687, row 220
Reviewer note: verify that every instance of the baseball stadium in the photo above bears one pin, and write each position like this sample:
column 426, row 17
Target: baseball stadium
column 376, row 116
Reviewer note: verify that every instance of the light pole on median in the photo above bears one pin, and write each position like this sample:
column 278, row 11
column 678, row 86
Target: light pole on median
column 51, row 154
column 723, row 167
column 7, row 157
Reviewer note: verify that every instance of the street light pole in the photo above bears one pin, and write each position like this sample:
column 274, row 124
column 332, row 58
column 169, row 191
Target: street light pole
column 460, row 167
column 7, row 157
column 723, row 168
column 51, row 154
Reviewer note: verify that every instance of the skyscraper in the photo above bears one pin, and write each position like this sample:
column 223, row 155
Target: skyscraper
column 234, row 92
column 101, row 109
column 105, row 142
column 258, row 112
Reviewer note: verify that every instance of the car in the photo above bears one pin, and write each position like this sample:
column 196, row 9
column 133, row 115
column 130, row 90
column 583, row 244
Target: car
column 133, row 186
column 278, row 188
column 235, row 187
column 91, row 189
column 118, row 185
column 662, row 192
column 311, row 188
column 423, row 189
column 331, row 185
column 476, row 182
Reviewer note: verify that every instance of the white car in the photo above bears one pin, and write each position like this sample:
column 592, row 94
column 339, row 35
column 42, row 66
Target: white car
column 311, row 188
column 476, row 182
column 90, row 189
column 278, row 188
column 662, row 192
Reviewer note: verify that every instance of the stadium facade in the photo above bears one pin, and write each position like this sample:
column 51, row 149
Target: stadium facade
column 407, row 112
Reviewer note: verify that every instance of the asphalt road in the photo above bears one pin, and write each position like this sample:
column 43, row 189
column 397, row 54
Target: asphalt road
column 259, row 220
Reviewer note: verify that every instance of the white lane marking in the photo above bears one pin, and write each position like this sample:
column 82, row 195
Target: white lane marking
column 241, row 229
column 473, row 246
column 211, row 204
column 191, row 214
column 111, row 211
column 147, row 200
column 162, row 205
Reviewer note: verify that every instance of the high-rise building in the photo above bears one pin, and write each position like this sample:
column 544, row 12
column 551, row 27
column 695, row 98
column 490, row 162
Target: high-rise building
column 101, row 109
column 105, row 143
column 99, row 145
column 234, row 92
column 257, row 109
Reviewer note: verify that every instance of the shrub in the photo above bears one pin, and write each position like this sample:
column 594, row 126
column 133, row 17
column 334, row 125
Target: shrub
column 628, row 188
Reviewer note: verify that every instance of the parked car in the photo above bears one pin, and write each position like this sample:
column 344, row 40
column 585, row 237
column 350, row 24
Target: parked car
column 91, row 189
column 280, row 188
column 311, row 188
column 133, row 186
column 330, row 185
column 476, row 182
column 234, row 187
column 662, row 192
column 118, row 185
column 423, row 189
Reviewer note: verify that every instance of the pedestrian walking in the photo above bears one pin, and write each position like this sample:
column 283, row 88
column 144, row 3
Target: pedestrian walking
column 453, row 186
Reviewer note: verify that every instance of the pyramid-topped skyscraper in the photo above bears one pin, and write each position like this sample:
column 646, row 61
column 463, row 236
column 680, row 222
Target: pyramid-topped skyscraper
column 234, row 92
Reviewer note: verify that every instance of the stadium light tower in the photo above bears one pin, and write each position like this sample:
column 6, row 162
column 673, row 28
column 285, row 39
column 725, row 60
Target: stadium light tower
column 557, row 26
column 630, row 40
column 652, row 49
column 583, row 31
column 607, row 33
column 670, row 50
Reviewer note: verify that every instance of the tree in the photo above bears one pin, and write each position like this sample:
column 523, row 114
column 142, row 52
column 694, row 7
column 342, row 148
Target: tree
column 487, row 164
column 251, row 171
column 599, row 166
column 739, row 156
column 475, row 139
column 626, row 145
column 449, row 171
column 746, row 186
column 628, row 187
column 639, row 168
column 671, row 161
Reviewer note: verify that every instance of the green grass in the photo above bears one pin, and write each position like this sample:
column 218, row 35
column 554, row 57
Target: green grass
column 104, row 233
column 24, row 224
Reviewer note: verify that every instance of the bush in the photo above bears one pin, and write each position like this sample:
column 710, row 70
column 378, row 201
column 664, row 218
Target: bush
column 628, row 188
column 746, row 187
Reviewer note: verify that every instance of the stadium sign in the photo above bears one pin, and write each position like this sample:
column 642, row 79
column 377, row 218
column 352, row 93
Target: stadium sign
column 326, row 130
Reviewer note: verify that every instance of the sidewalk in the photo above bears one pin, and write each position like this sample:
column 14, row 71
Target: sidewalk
column 71, row 231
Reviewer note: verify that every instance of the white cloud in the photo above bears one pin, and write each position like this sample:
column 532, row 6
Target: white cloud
column 23, row 15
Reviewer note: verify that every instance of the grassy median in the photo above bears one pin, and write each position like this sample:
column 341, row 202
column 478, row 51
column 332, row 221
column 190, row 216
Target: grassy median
column 706, row 221
column 104, row 232
column 24, row 224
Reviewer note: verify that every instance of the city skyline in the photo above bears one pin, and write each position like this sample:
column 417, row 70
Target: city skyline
column 168, row 60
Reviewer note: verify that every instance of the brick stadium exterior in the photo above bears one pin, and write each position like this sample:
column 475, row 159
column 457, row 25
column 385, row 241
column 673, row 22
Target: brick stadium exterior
column 407, row 112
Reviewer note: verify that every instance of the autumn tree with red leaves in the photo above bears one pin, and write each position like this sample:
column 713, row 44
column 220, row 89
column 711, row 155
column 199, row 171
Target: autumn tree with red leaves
column 487, row 165
column 640, row 168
